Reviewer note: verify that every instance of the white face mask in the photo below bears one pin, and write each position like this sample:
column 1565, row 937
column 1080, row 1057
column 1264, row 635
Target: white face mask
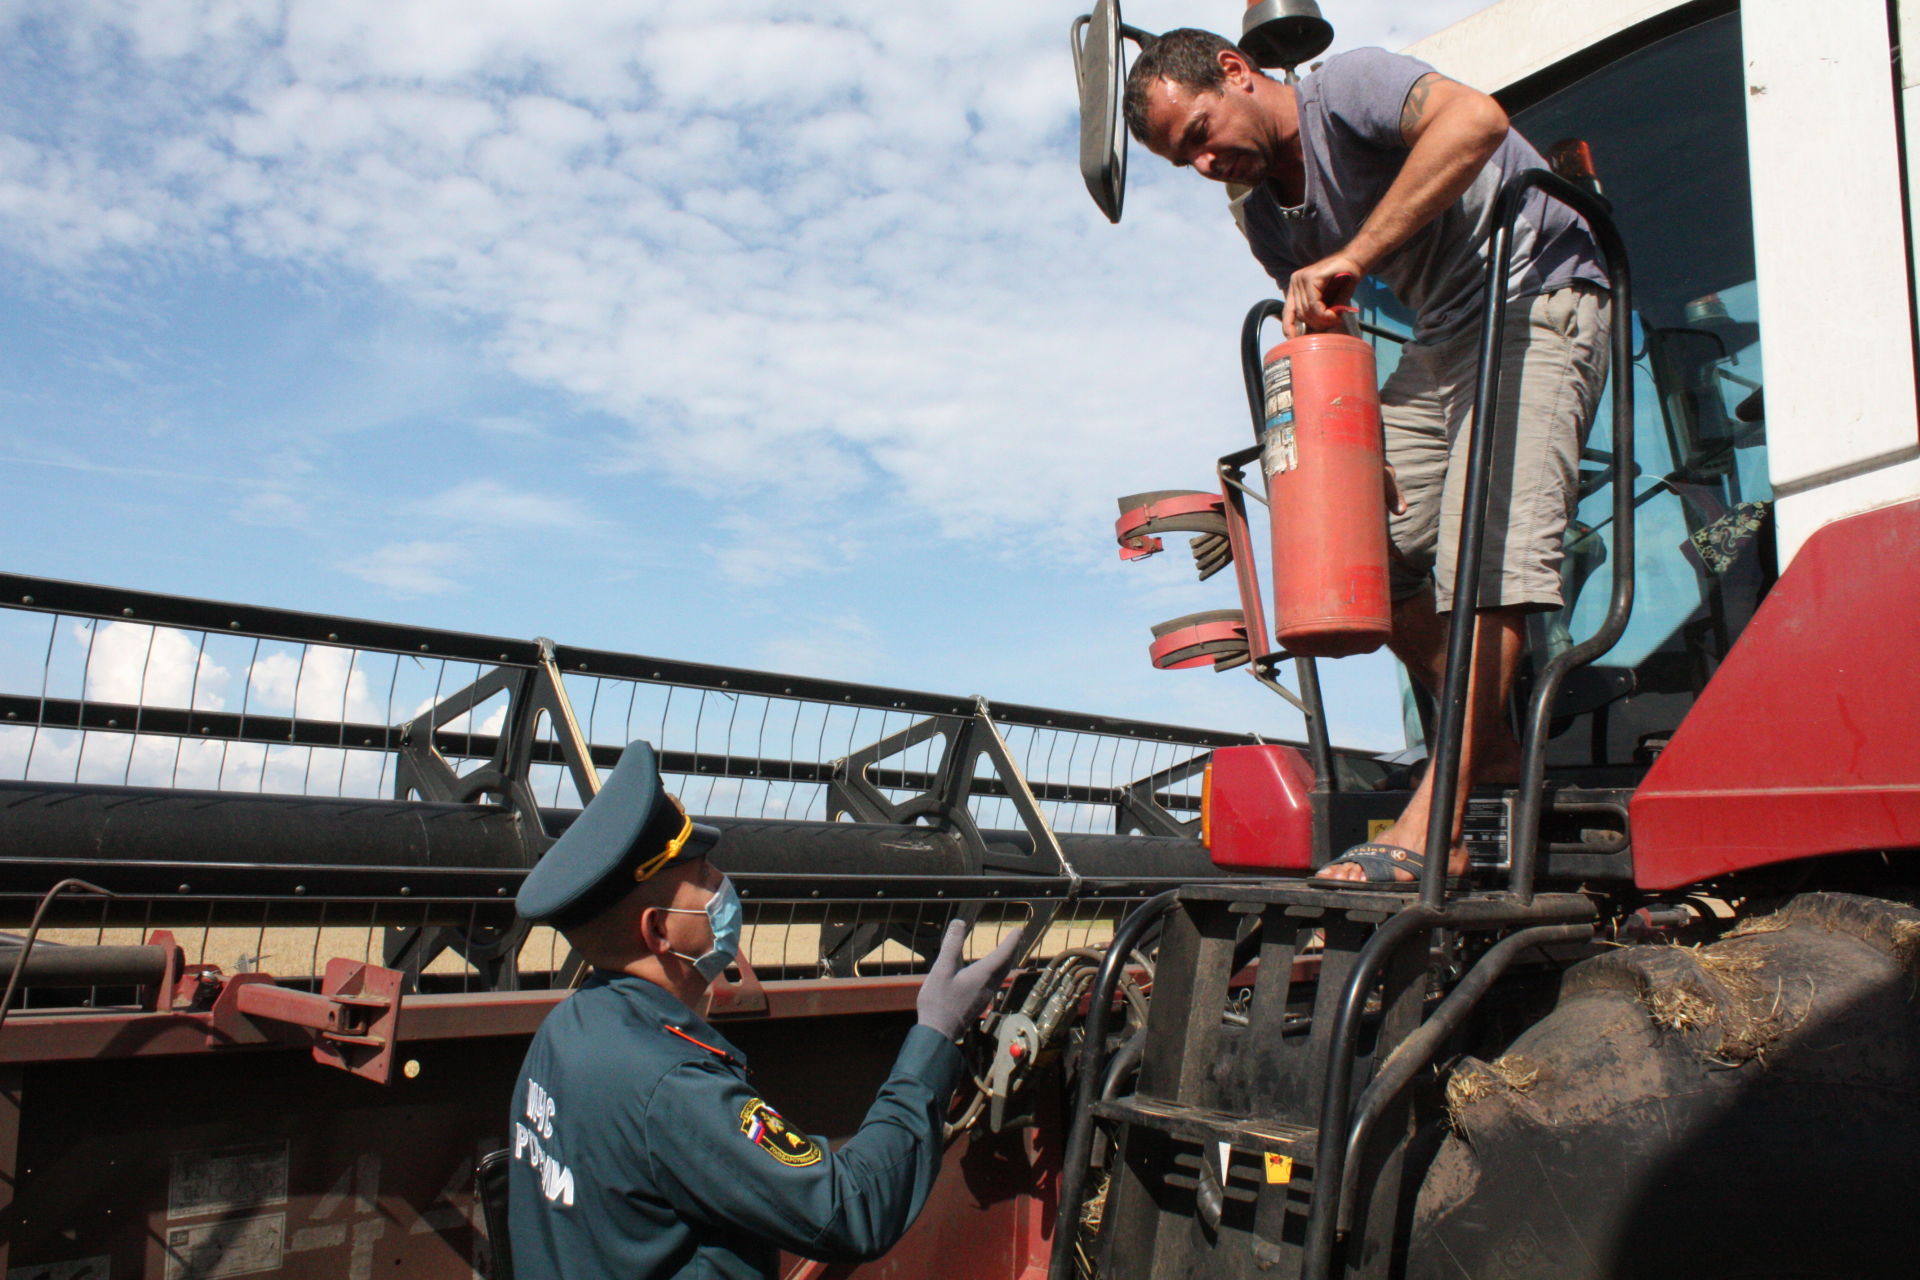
column 723, row 915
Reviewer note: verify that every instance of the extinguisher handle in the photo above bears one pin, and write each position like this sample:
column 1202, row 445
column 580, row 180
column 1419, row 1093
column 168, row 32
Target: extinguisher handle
column 1339, row 294
column 1336, row 299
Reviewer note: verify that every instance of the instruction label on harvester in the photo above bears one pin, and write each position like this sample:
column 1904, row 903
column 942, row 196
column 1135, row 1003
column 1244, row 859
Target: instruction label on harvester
column 1278, row 450
column 229, row 1178
column 232, row 1247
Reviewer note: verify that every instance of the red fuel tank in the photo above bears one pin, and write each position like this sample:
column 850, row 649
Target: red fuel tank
column 1321, row 452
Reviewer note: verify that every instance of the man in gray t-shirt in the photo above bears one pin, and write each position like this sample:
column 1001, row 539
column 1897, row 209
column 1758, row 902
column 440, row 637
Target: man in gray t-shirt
column 1377, row 165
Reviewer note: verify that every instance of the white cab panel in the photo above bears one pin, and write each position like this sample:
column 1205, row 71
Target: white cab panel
column 1836, row 303
column 1507, row 42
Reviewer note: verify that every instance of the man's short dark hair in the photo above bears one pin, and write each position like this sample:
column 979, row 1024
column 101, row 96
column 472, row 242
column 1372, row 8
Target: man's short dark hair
column 1186, row 56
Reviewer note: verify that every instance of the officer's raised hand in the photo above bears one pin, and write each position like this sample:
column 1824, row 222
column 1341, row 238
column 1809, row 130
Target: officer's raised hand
column 950, row 1002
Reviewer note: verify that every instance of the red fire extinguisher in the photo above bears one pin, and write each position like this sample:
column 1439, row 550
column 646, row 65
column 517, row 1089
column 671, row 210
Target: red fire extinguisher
column 1321, row 452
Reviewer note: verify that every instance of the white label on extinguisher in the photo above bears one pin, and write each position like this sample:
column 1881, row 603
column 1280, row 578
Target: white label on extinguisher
column 1278, row 450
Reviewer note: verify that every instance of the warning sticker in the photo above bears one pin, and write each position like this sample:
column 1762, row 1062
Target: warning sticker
column 1277, row 379
column 226, row 1179
column 768, row 1130
column 1279, row 1169
column 232, row 1247
column 1278, row 449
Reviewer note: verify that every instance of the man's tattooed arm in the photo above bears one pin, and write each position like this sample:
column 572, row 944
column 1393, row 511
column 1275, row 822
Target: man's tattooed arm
column 1415, row 108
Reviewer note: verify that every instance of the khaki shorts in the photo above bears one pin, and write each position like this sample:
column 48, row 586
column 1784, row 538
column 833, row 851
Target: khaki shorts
column 1554, row 369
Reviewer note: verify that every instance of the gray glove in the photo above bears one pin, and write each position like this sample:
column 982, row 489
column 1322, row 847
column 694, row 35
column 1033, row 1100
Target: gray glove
column 950, row 1002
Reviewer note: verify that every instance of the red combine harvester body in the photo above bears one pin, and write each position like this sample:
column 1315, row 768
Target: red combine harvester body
column 1817, row 702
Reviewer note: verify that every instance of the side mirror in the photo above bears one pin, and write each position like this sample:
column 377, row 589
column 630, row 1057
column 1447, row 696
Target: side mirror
column 1098, row 71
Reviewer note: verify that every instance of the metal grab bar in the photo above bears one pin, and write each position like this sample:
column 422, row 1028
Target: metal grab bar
column 1417, row 1050
column 1342, row 1044
column 1093, row 1061
column 1334, row 1142
column 1445, row 757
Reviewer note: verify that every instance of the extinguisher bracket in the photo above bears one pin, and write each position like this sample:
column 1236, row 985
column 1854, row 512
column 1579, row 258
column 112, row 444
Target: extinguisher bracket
column 1166, row 511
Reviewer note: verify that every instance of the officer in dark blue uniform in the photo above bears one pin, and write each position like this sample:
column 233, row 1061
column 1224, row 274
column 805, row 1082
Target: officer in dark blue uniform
column 641, row 1148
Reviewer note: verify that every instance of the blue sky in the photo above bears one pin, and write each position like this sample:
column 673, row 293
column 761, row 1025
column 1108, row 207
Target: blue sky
column 769, row 334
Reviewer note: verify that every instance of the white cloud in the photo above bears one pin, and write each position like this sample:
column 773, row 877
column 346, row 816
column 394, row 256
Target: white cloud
column 272, row 507
column 489, row 504
column 48, row 754
column 761, row 550
column 312, row 682
column 772, row 244
column 507, row 425
column 421, row 568
column 161, row 667
column 139, row 665
column 843, row 646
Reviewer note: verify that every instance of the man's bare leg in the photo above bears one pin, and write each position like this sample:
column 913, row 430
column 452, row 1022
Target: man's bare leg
column 1419, row 640
column 1489, row 750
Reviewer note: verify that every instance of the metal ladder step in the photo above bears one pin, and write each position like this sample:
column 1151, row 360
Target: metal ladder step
column 1214, row 1165
column 1209, row 1128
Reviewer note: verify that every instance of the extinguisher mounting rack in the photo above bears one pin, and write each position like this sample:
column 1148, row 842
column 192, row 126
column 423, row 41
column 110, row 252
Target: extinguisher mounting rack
column 1234, row 492
column 1223, row 638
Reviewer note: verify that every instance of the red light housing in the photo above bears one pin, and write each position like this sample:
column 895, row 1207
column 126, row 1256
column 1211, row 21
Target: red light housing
column 1255, row 811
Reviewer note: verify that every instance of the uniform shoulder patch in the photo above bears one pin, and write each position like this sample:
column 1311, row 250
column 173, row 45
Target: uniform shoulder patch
column 769, row 1130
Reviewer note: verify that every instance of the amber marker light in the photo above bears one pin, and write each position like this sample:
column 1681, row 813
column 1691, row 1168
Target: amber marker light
column 1206, row 805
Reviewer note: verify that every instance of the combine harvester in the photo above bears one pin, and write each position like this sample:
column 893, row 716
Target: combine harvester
column 276, row 991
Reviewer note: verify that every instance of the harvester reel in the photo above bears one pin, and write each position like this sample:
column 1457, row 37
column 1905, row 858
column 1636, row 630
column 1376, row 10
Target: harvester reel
column 493, row 951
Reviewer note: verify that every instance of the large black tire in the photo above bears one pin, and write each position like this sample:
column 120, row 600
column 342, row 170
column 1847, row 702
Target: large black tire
column 1746, row 1109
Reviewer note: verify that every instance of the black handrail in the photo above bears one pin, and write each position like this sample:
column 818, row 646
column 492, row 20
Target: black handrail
column 1444, row 763
column 1417, row 1050
column 1319, row 743
column 1523, row 840
column 1334, row 1141
column 1342, row 1046
column 1093, row 1060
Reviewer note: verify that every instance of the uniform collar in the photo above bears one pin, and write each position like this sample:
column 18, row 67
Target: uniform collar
column 662, row 1009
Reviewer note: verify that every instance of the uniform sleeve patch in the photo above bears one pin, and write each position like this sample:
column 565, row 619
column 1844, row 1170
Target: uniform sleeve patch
column 769, row 1130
